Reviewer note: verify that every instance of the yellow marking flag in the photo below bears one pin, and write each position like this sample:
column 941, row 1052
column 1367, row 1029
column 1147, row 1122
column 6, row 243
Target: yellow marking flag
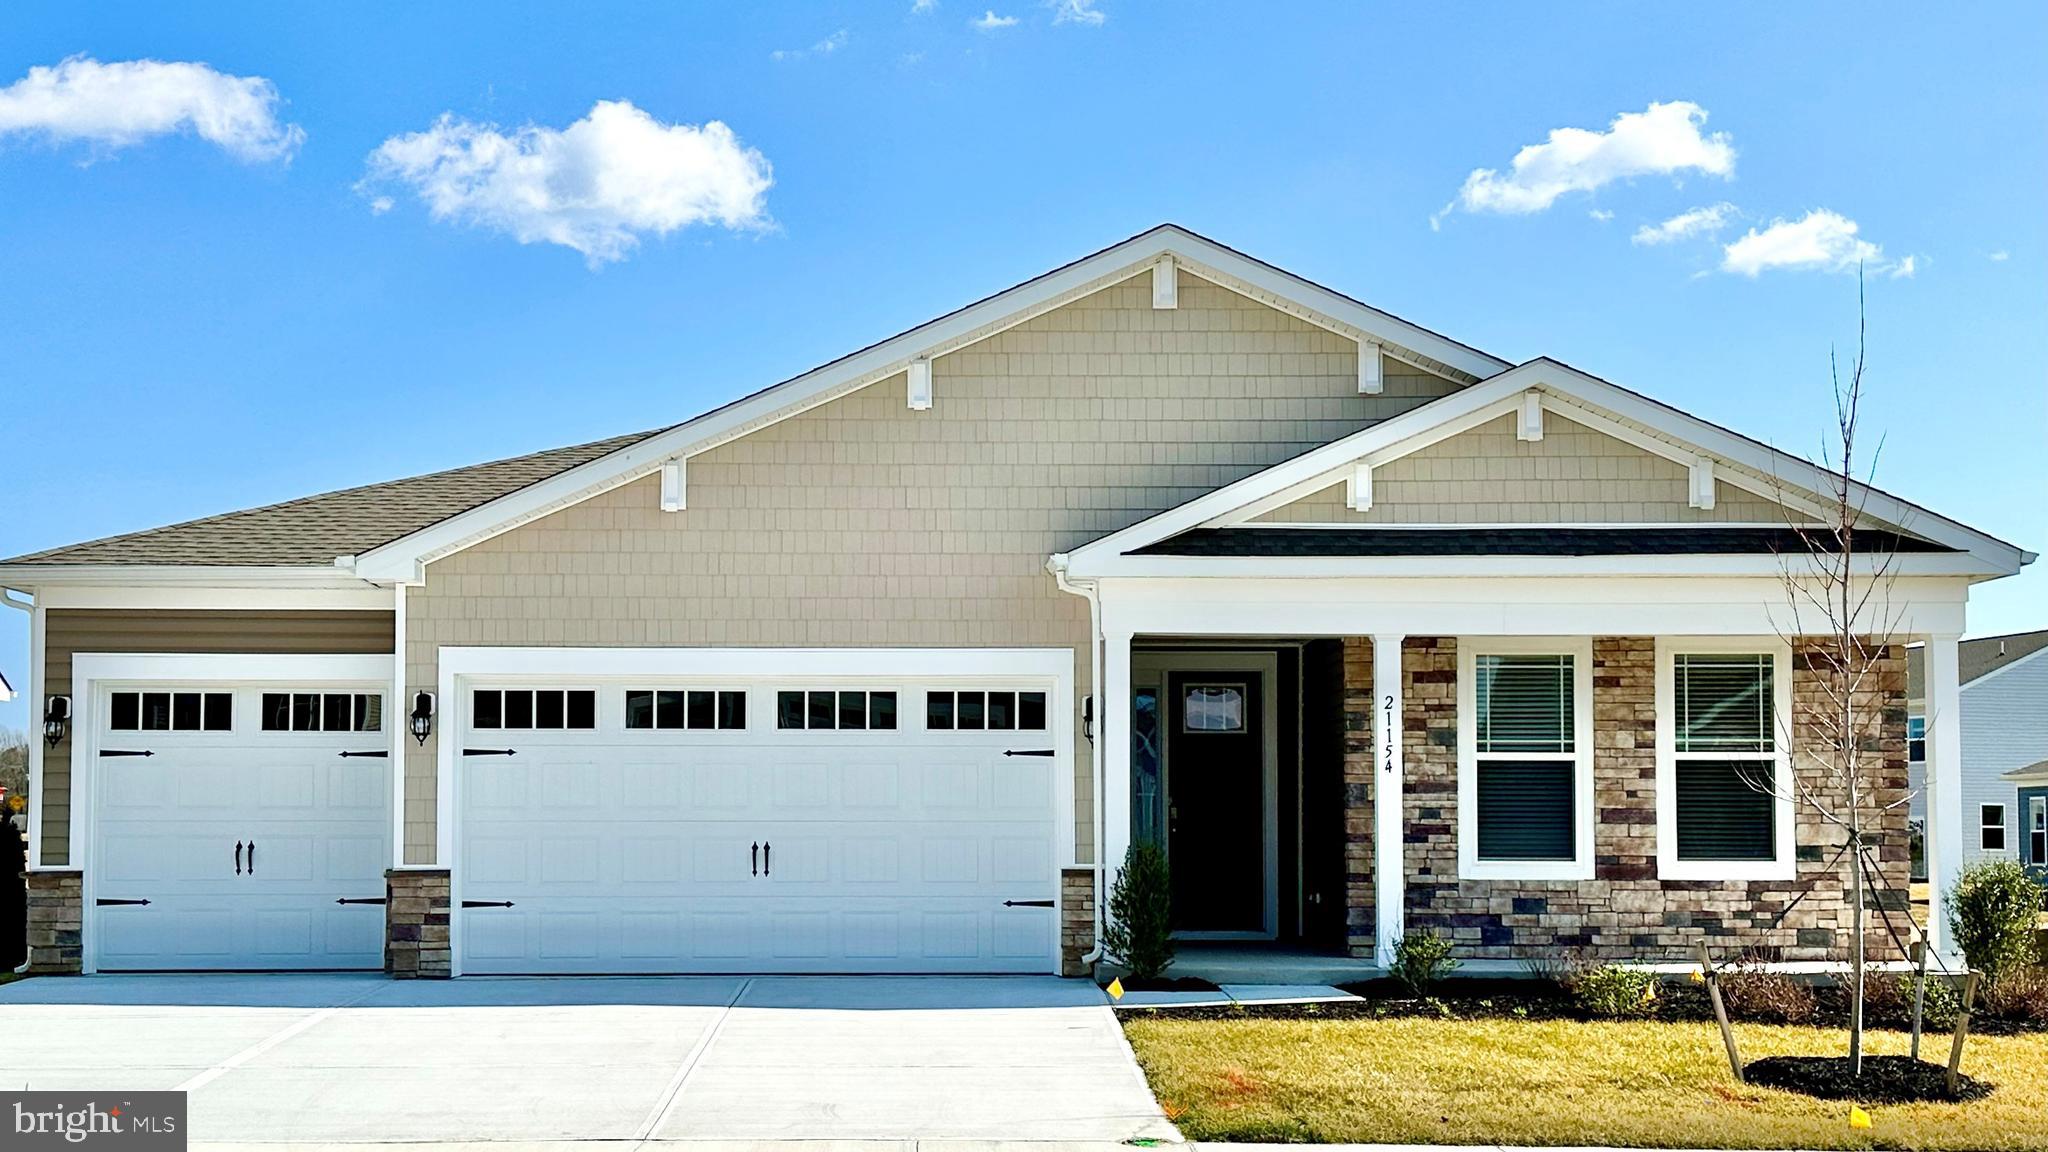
column 1116, row 989
column 1858, row 1118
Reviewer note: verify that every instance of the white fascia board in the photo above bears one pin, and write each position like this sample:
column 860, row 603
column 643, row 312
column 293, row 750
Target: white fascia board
column 1499, row 606
column 363, row 598
column 29, row 577
column 1903, row 564
column 227, row 668
column 403, row 559
column 808, row 664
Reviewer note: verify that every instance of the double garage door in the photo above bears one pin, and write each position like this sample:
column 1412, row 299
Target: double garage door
column 771, row 824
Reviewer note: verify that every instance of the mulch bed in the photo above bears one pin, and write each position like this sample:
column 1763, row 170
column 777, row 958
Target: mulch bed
column 1885, row 1079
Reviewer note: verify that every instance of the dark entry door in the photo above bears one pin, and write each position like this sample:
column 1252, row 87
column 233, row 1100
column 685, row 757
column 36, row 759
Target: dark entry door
column 1215, row 815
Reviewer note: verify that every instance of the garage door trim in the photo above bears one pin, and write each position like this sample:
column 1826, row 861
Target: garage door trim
column 90, row 671
column 996, row 666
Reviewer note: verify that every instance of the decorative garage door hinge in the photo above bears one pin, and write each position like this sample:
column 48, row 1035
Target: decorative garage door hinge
column 125, row 752
column 1029, row 752
column 486, row 903
column 359, row 900
column 1027, row 903
column 489, row 752
column 103, row 902
column 381, row 752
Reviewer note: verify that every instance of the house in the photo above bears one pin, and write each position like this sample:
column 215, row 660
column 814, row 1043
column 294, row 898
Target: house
column 883, row 668
column 2004, row 730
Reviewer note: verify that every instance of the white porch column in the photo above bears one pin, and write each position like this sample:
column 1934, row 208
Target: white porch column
column 1112, row 726
column 1943, row 781
column 1388, row 861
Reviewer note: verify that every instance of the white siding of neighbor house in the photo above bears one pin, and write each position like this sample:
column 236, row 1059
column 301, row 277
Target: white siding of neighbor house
column 2005, row 726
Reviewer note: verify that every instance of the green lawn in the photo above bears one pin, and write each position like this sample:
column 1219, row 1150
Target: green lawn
column 1554, row 1082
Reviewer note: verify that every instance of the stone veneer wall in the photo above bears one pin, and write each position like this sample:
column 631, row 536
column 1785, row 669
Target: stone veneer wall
column 1626, row 912
column 1361, row 924
column 1077, row 919
column 416, row 923
column 56, row 914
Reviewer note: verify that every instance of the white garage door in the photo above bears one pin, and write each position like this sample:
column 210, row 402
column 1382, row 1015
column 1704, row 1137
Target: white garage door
column 765, row 826
column 239, row 827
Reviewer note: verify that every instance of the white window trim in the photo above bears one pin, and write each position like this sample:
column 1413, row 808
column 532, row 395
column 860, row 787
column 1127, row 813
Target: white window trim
column 1470, row 866
column 1985, row 824
column 1785, row 864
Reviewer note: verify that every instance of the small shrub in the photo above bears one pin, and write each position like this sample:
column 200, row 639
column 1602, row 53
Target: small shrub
column 1753, row 992
column 1139, row 931
column 1991, row 914
column 1888, row 999
column 2020, row 996
column 1421, row 958
column 1614, row 992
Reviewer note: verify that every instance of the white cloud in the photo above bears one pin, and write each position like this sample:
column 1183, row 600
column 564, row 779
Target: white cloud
column 1903, row 270
column 1076, row 12
column 921, row 6
column 1662, row 140
column 1600, row 214
column 1821, row 240
column 595, row 186
column 825, row 47
column 2000, row 256
column 1686, row 225
column 126, row 102
column 990, row 22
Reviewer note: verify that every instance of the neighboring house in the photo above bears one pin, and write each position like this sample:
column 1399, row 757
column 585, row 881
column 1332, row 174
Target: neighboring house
column 2004, row 733
column 882, row 668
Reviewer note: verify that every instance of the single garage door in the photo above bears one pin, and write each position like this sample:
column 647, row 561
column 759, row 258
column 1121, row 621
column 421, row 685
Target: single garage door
column 766, row 826
column 239, row 826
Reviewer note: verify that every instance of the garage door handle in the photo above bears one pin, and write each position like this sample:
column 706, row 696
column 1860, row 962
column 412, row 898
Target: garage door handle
column 252, row 857
column 1029, row 752
column 238, row 857
column 754, row 858
column 765, row 850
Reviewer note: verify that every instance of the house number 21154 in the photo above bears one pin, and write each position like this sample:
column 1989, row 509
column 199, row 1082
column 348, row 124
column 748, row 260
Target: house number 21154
column 1387, row 754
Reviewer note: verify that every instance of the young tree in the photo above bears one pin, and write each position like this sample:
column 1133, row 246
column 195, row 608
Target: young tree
column 1841, row 624
column 13, row 764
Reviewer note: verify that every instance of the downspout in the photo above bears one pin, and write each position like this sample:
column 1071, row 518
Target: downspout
column 1086, row 589
column 33, row 690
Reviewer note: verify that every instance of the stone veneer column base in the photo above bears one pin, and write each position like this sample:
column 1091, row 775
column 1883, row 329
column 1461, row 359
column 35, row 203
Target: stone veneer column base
column 56, row 915
column 1077, row 919
column 416, row 923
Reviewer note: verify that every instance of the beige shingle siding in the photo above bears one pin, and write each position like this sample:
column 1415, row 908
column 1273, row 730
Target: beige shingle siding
column 67, row 631
column 1574, row 475
column 861, row 523
column 316, row 529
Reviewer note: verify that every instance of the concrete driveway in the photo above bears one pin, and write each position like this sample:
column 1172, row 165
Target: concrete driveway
column 359, row 1059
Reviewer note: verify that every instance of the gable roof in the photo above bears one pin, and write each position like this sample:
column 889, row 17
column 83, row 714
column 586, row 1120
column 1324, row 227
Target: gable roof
column 314, row 530
column 1582, row 397
column 1987, row 654
column 434, row 516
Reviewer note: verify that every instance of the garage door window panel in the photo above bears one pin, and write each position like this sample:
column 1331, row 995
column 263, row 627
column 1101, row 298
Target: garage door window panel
column 311, row 711
column 170, row 712
column 821, row 710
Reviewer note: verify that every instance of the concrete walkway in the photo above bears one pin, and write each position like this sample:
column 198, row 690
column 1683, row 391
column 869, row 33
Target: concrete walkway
column 347, row 1060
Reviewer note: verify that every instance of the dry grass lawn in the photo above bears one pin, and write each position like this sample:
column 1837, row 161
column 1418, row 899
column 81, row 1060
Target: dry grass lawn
column 1554, row 1082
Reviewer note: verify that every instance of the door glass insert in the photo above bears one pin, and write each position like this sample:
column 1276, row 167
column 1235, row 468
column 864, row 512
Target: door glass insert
column 1145, row 811
column 2037, row 830
column 1213, row 708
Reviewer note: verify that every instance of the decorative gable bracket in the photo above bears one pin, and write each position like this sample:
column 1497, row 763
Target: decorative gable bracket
column 920, row 386
column 1372, row 377
column 1358, row 488
column 672, row 490
column 1700, row 483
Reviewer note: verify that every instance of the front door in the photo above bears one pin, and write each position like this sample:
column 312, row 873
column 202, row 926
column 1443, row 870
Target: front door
column 1215, row 819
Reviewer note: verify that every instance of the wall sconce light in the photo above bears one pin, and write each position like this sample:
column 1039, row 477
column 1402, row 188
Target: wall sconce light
column 422, row 719
column 1088, row 717
column 56, row 719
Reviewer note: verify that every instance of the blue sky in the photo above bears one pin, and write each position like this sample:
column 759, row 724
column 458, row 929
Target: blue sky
column 199, row 319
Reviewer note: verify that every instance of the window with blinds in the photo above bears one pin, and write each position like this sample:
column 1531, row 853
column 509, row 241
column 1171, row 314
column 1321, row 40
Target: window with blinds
column 1725, row 742
column 1526, row 759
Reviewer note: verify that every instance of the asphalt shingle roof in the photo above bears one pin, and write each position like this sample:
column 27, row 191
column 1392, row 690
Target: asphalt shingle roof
column 314, row 530
column 1974, row 658
column 1701, row 541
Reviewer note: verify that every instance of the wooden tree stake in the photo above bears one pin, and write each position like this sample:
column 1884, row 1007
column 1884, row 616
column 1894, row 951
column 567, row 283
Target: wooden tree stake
column 1955, row 1048
column 1713, row 979
column 1919, row 990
